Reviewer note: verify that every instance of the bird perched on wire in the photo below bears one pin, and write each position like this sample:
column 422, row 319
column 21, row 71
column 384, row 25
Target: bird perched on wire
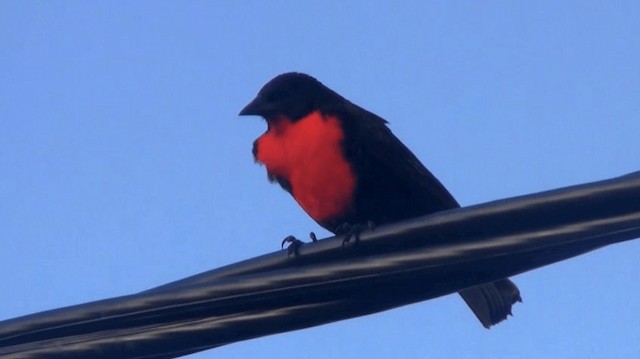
column 346, row 169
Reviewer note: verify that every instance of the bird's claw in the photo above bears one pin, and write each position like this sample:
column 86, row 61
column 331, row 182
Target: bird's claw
column 352, row 231
column 295, row 243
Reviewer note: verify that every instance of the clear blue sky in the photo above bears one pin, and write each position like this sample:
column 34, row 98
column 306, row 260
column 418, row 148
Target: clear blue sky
column 124, row 165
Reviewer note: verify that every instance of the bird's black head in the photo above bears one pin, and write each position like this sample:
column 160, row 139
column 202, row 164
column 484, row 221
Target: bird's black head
column 292, row 94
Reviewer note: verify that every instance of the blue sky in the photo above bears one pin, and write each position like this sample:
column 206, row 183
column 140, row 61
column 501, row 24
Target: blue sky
column 124, row 165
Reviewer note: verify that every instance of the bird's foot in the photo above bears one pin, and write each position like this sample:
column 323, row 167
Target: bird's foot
column 352, row 231
column 295, row 243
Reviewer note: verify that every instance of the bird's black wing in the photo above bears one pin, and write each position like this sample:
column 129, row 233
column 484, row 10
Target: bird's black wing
column 392, row 183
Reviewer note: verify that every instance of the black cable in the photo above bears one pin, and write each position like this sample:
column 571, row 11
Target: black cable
column 389, row 267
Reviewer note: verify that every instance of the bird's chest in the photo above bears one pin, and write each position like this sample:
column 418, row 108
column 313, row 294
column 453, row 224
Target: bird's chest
column 307, row 155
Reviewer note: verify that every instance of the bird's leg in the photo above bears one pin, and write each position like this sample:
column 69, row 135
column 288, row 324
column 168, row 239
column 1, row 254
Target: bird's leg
column 352, row 231
column 295, row 243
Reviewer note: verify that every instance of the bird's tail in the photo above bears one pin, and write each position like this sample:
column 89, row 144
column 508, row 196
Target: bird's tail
column 492, row 302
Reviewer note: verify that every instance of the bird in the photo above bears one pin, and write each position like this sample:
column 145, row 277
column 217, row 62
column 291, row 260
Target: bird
column 346, row 169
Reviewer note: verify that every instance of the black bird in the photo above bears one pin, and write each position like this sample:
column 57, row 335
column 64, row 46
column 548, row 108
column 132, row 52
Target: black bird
column 345, row 168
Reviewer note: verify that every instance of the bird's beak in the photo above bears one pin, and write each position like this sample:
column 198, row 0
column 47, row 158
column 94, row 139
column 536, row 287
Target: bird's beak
column 254, row 108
